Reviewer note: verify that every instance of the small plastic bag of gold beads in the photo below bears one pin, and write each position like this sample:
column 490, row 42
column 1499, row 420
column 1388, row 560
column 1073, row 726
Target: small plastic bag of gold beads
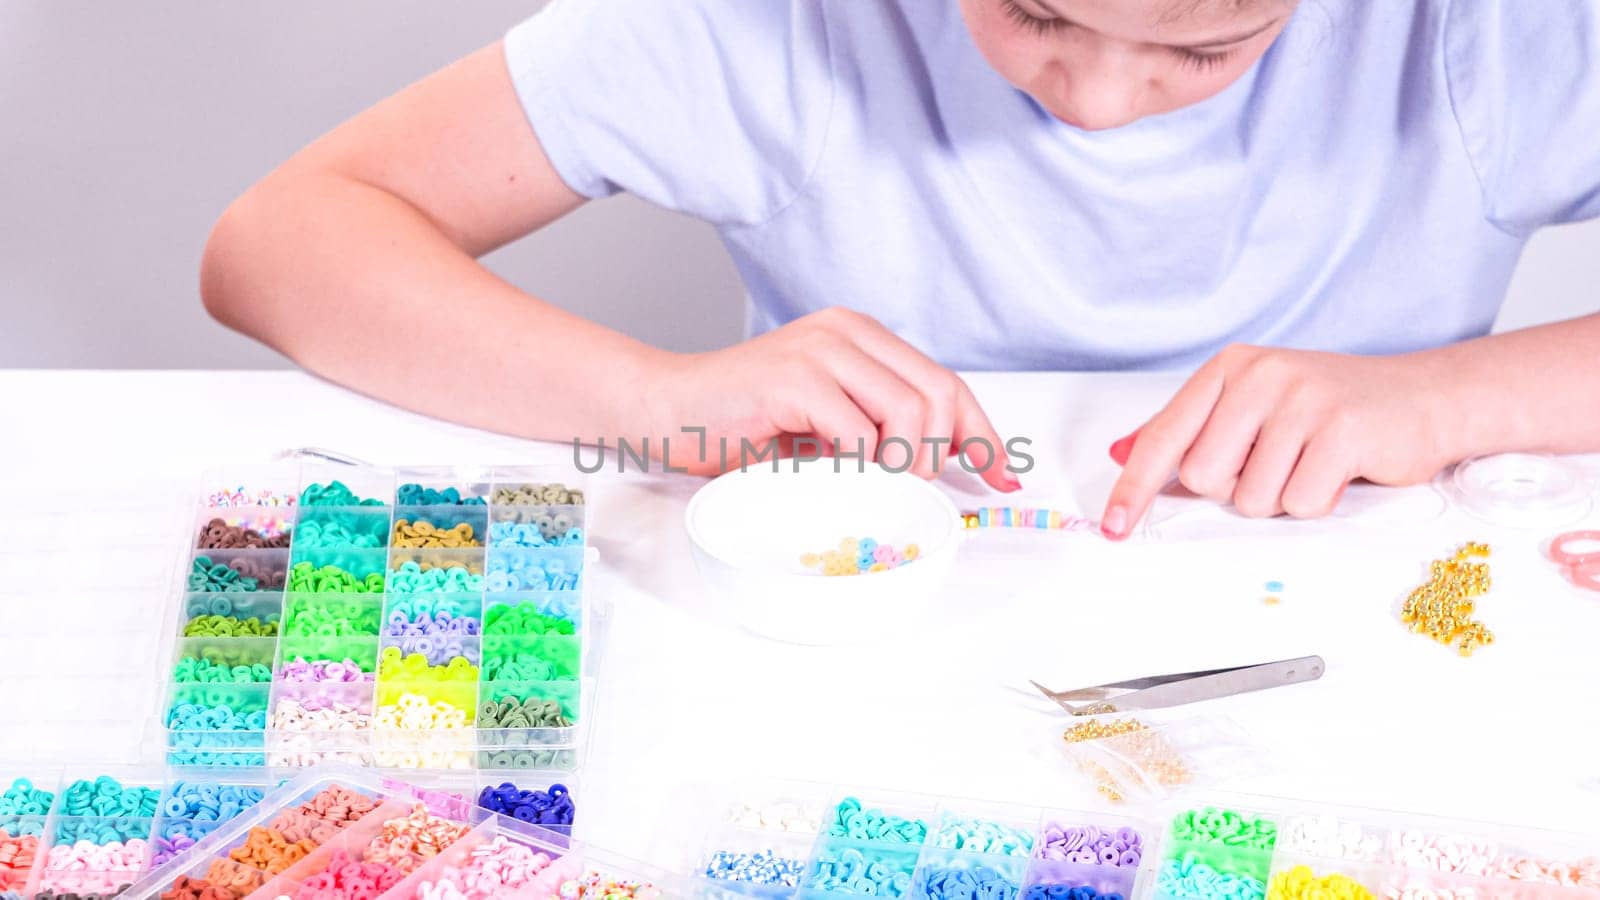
column 1133, row 758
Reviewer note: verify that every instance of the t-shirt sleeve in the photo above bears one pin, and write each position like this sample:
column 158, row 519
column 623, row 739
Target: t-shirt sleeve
column 715, row 108
column 1524, row 80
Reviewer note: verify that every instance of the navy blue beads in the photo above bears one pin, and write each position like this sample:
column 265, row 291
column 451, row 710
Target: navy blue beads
column 1062, row 892
column 550, row 808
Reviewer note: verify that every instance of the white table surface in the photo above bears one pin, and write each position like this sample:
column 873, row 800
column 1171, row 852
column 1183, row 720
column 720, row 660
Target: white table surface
column 1398, row 722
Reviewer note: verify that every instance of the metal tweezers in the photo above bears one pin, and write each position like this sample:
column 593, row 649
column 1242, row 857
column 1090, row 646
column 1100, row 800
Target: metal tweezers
column 1159, row 691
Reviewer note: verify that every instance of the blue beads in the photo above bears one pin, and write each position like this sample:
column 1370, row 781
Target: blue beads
column 1184, row 878
column 194, row 809
column 22, row 808
column 862, row 870
column 526, row 572
column 980, row 883
column 1064, row 892
column 530, row 535
column 764, row 867
column 552, row 808
column 851, row 820
column 980, row 836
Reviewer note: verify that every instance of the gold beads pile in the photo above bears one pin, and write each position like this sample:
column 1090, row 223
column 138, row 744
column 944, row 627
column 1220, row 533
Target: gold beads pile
column 1130, row 743
column 422, row 533
column 1443, row 607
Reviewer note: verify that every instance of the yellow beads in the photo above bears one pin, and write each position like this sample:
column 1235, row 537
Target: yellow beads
column 1140, row 753
column 1300, row 883
column 1443, row 607
column 424, row 534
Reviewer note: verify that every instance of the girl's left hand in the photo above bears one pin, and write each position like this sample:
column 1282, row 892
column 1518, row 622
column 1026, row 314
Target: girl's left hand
column 1284, row 431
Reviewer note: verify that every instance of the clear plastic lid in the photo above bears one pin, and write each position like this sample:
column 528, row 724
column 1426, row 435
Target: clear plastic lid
column 1520, row 490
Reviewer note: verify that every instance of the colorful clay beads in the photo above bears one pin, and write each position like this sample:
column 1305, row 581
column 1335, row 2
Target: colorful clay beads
column 305, row 578
column 764, row 867
column 980, row 836
column 1190, row 879
column 551, row 808
column 87, row 867
column 554, row 494
column 334, row 493
column 863, row 869
column 206, row 670
column 1142, row 753
column 958, row 883
column 347, row 878
column 1063, row 892
column 411, row 577
column 1300, row 883
column 22, row 816
column 556, row 530
column 529, row 571
column 240, row 574
column 422, row 533
column 413, row 494
column 855, row 557
column 495, row 869
column 534, row 712
column 229, row 626
column 239, row 496
column 1442, row 608
column 851, row 820
column 523, row 618
column 1026, row 517
column 217, row 534
column 193, row 810
column 1088, row 845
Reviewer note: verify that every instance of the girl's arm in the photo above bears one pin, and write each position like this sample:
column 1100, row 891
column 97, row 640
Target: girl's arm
column 1283, row 431
column 357, row 259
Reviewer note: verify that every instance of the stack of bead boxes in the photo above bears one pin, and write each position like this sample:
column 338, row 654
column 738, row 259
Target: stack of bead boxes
column 795, row 840
column 92, row 832
column 334, row 833
column 782, row 840
column 430, row 618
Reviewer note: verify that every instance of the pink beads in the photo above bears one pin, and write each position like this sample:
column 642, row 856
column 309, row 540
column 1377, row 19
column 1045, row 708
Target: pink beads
column 86, row 867
column 348, row 879
column 492, row 870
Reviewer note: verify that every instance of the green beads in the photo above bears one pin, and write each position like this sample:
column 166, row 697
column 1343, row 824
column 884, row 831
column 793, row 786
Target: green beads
column 334, row 493
column 229, row 626
column 314, row 616
column 305, row 578
column 510, row 712
column 522, row 619
column 1224, row 840
column 201, row 670
column 547, row 657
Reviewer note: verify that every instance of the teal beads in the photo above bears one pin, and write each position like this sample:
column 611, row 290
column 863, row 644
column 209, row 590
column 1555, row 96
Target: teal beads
column 980, row 836
column 850, row 820
column 417, row 495
column 22, row 809
column 103, row 811
column 197, row 669
column 412, row 578
column 335, row 493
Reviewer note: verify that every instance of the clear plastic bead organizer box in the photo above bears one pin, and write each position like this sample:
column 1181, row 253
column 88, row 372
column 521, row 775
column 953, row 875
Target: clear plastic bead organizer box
column 779, row 839
column 399, row 618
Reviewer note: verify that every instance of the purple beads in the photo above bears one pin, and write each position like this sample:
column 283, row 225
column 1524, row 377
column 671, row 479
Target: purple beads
column 1092, row 846
column 441, row 622
column 323, row 670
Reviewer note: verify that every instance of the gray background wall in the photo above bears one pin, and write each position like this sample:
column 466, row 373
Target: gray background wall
column 126, row 127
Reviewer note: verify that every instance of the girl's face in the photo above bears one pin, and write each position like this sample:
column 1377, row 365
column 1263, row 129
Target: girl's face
column 1098, row 64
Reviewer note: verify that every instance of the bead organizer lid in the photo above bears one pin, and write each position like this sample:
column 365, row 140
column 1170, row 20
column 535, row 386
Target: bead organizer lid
column 401, row 841
column 403, row 618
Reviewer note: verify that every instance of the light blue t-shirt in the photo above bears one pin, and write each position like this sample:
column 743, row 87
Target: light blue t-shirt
column 1367, row 187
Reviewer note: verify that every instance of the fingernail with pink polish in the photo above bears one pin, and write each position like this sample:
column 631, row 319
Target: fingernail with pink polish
column 1115, row 523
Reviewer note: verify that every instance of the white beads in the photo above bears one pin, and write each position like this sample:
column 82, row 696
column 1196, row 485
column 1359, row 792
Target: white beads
column 1328, row 837
column 780, row 816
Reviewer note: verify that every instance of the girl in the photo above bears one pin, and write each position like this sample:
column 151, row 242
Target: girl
column 1319, row 204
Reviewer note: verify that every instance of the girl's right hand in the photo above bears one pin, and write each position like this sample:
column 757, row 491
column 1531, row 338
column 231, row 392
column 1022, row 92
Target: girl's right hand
column 835, row 378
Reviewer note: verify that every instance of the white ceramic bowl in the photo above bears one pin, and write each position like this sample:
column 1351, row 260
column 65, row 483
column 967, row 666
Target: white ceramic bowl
column 749, row 529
